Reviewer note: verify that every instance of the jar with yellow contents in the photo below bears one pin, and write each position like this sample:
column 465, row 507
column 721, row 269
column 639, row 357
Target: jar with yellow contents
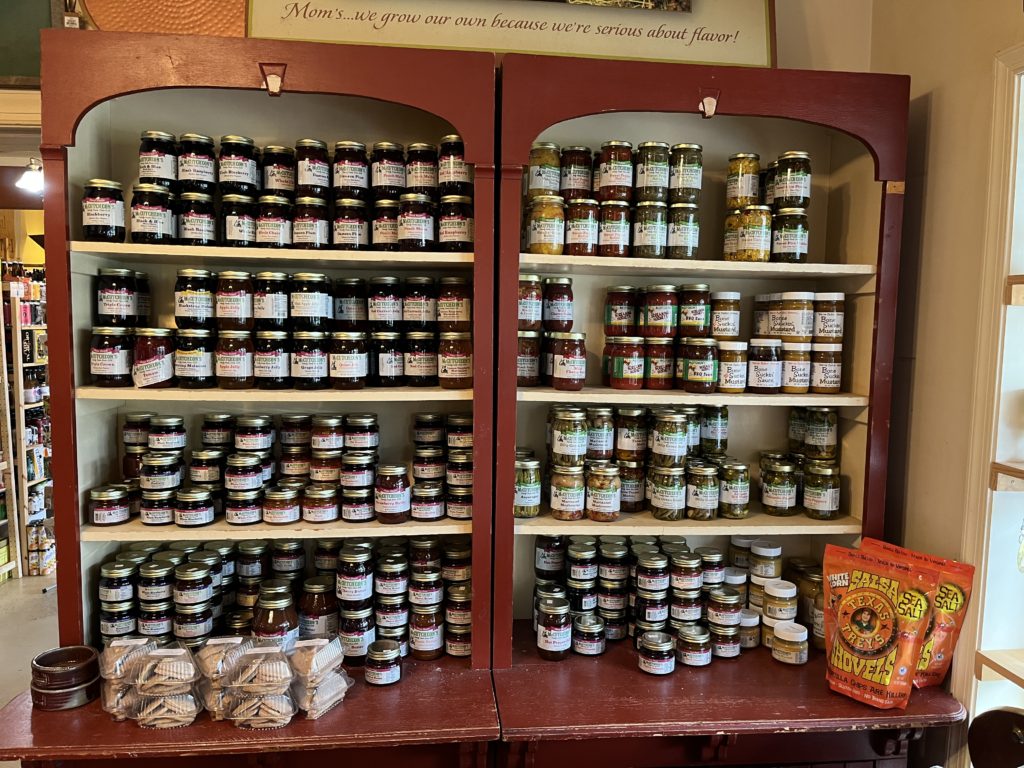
column 546, row 225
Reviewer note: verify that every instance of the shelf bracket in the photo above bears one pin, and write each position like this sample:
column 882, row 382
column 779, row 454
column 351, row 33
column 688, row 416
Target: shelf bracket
column 273, row 77
column 715, row 748
column 897, row 743
column 708, row 102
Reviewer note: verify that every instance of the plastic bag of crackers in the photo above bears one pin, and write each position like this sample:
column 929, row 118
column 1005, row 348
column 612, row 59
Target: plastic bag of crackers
column 163, row 691
column 320, row 682
column 217, row 660
column 117, row 668
column 877, row 610
column 258, row 689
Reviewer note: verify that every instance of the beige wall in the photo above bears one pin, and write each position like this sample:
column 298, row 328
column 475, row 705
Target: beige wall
column 948, row 48
column 823, row 34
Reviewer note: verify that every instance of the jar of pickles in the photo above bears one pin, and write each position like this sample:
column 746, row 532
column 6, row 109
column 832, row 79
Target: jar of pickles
column 527, row 488
column 686, row 167
column 778, row 489
column 821, row 491
column 668, row 493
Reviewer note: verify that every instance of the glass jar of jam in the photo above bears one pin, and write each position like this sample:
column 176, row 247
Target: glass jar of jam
column 392, row 576
column 428, row 503
column 616, row 171
column 420, row 359
column 362, row 432
column 309, row 360
column 275, row 620
column 356, row 630
column 327, row 433
column 455, row 361
column 117, row 298
column 325, row 466
column 253, row 433
column 153, row 358
column 558, row 304
column 421, row 169
column 384, row 310
column 357, row 505
column 281, row 506
column 253, row 559
column 576, row 172
column 197, row 166
column 234, row 301
column 458, row 640
column 193, row 508
column 158, row 159
column 384, row 226
column 685, row 173
column 151, row 214
column 387, row 170
column 569, row 373
column 454, row 305
column 416, row 223
column 419, row 304
column 459, row 502
column 278, row 171
column 234, row 360
column 354, row 580
column 295, row 461
column 309, row 224
column 656, row 653
column 392, row 497
column 108, row 506
column 194, row 300
column 454, row 174
column 313, row 170
column 386, row 360
column 103, row 211
column 110, row 357
column 528, row 359
column 243, row 507
column 238, row 221
column 311, row 306
column 349, row 228
column 383, row 663
column 271, row 363
column 193, row 584
column 764, row 366
column 426, row 632
column 270, row 301
column 613, row 235
column 238, row 174
column 274, row 222
column 554, row 629
column 350, row 310
column 348, row 363
column 318, row 609
column 545, row 226
column 582, row 225
column 131, row 462
column 197, row 224
column 206, row 466
column 351, row 171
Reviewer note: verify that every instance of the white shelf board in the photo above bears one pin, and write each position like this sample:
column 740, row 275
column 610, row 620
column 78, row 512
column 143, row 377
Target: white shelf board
column 8, row 567
column 757, row 524
column 1000, row 665
column 597, row 265
column 33, row 483
column 678, row 397
column 32, row 327
column 213, row 255
column 214, row 395
column 219, row 529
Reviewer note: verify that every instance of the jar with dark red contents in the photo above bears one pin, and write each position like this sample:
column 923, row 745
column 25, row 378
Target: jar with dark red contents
column 384, row 304
column 349, row 228
column 531, row 303
column 419, row 304
column 455, row 224
column 254, row 433
column 617, row 171
column 166, row 433
column 558, row 304
column 243, row 472
column 234, row 360
column 620, row 310
column 295, row 461
column 582, row 226
column 348, row 360
column 158, row 159
column 159, row 472
column 425, row 585
column 427, row 501
column 238, row 174
column 351, row 173
column 151, row 215
column 387, row 166
column 153, row 358
column 354, row 583
column 144, row 307
column 391, row 576
column 325, row 466
column 103, row 211
column 312, row 169
column 528, row 359
column 659, row 364
column 362, row 433
column 554, row 629
column 454, row 174
column 392, row 496
column 273, row 222
column 320, row 504
column 661, row 312
column 625, row 362
column 233, row 301
column 387, row 362
column 421, row 169
column 454, row 305
column 328, row 433
column 576, row 172
column 569, row 361
column 271, row 362
column 110, row 357
column 420, row 359
column 197, row 166
column 613, row 235
column 357, row 505
column 194, row 300
column 459, row 427
column 310, row 230
column 136, row 429
column 309, row 360
column 357, row 632
column 384, row 226
column 206, row 466
column 416, row 223
column 108, row 506
column 270, row 301
column 350, row 312
column 697, row 365
column 318, row 609
column 311, row 305
column 428, row 429
column 131, row 462
column 694, row 310
column 278, row 171
column 197, row 224
column 455, row 361
column 117, row 298
column 193, row 508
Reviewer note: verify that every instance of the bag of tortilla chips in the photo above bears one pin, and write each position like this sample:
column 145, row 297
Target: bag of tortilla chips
column 876, row 613
column 952, row 598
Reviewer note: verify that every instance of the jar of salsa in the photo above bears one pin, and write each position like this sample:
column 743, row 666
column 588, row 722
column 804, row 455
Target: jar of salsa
column 103, row 211
column 659, row 364
column 454, row 174
column 617, row 171
column 416, row 223
column 613, row 235
column 309, row 360
column 387, row 170
column 455, row 361
column 576, row 172
column 313, row 171
column 582, row 225
column 569, row 361
column 454, row 302
column 351, row 172
column 274, row 222
column 234, row 360
column 309, row 224
column 625, row 361
column 620, row 311
column 558, row 304
column 271, row 360
column 278, row 171
column 392, row 497
column 234, row 301
column 660, row 312
column 384, row 226
column 110, row 357
column 153, row 358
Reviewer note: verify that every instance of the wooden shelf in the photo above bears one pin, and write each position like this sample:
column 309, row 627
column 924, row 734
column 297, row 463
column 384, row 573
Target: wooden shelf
column 32, row 327
column 1000, row 665
column 8, row 567
column 540, row 700
column 219, row 529
column 131, row 253
column 529, row 262
column 278, row 396
column 436, row 702
column 651, row 397
column 1014, row 293
column 1007, row 476
column 758, row 524
column 33, row 365
column 38, row 481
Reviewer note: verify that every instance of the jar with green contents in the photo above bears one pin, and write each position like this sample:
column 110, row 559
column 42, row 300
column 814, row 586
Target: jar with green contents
column 793, row 180
column 527, row 498
column 650, row 230
column 668, row 493
column 790, row 236
column 797, row 428
column 778, row 489
column 600, row 434
column 683, row 231
column 731, row 238
column 604, row 494
column 822, row 434
column 686, row 171
column 631, row 473
column 669, row 440
column 630, row 435
column 714, row 430
column 821, row 491
column 568, row 438
column 701, row 492
column 734, row 490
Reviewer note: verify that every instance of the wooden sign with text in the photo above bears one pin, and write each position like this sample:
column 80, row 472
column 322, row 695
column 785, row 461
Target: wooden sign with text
column 715, row 32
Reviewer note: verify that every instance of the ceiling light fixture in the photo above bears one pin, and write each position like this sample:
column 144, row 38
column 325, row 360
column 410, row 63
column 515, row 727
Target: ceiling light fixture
column 32, row 179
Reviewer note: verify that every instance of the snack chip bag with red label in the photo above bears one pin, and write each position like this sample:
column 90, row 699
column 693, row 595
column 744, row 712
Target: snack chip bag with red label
column 876, row 613
column 952, row 598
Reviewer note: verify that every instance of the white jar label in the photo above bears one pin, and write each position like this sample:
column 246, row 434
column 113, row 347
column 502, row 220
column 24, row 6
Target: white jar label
column 632, row 491
column 583, row 572
column 170, row 440
column 392, row 502
column 388, row 173
column 455, row 366
column 384, row 676
column 576, row 177
column 796, row 374
column 117, row 302
column 193, row 595
column 193, row 167
column 617, row 173
column 420, row 309
column 558, row 309
column 309, row 365
column 545, row 560
column 243, row 516
column 732, row 376
column 422, row 596
column 235, row 365
column 393, row 618
column 545, row 178
column 197, row 226
column 238, row 169
column 278, row 177
column 826, row 375
column 153, row 371
column 197, row 305
column 115, row 594
column 530, row 310
column 318, row 626
column 159, row 482
column 527, row 495
column 668, row 498
column 569, row 367
column 741, row 185
column 390, row 364
column 427, row 510
column 685, row 612
column 604, row 501
column 572, row 443
column 384, row 309
column 110, row 362
column 356, row 643
column 734, row 493
column 601, row 439
column 821, row 499
column 828, row 325
column 348, row 365
column 254, row 442
column 652, row 233
column 778, row 495
column 354, row 587
column 790, row 241
column 416, row 226
column 313, row 173
column 554, row 638
column 790, row 657
column 350, row 232
column 725, row 322
column 818, row 434
column 699, row 658
column 350, row 309
column 651, row 175
column 455, row 229
column 793, row 184
column 239, row 228
column 765, row 373
column 611, row 602
column 686, row 176
column 631, row 439
column 582, row 231
column 307, row 229
column 755, row 238
column 669, row 444
column 656, row 613
column 193, row 517
column 453, row 310
column 158, row 165
column 311, row 304
column 527, row 366
column 150, row 218
column 286, row 514
column 793, row 322
column 236, row 305
column 276, row 231
column 426, row 639
column 117, row 627
column 270, row 365
column 657, row 666
column 348, row 174
column 385, row 231
column 102, row 212
column 684, row 234
column 567, row 499
column 354, row 511
column 420, row 364
column 271, row 306
column 453, row 169
column 546, row 231
column 700, row 497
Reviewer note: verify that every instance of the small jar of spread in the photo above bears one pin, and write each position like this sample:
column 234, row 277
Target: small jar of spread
column 193, row 584
column 789, row 644
column 238, row 221
column 416, row 223
column 650, row 230
column 459, row 502
column 274, row 222
column 384, row 226
column 309, row 360
column 426, row 632
column 384, row 304
column 531, row 302
column 613, row 233
column 569, row 372
column 392, row 494
column 657, row 654
column 157, row 507
column 383, row 664
column 281, row 506
column 554, row 629
column 313, row 170
column 419, row 359
column 110, row 357
column 558, row 304
column 275, row 620
column 764, row 366
column 193, row 508
column 253, row 433
column 234, row 360
column 151, row 215
column 103, row 211
column 197, row 166
column 351, row 171
column 455, row 224
column 387, row 167
column 153, row 358
column 309, row 224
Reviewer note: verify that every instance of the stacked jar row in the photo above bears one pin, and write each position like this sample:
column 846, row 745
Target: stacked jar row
column 174, row 200
column 328, row 470
column 675, row 604
column 362, row 588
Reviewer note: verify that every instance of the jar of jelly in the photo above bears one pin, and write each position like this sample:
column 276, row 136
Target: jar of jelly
column 384, row 226
column 238, row 173
column 273, row 222
column 309, row 224
column 153, row 358
column 426, row 632
column 151, row 214
column 392, row 495
column 420, row 359
column 351, row 171
column 234, row 360
column 454, row 303
column 270, row 301
column 421, row 169
column 197, row 166
column 384, row 310
column 238, row 221
column 253, row 433
column 194, row 300
column 234, row 301
column 103, row 211
column 349, row 228
column 455, row 361
column 416, row 223
column 271, row 360
column 309, row 360
column 278, row 171
column 193, row 508
column 312, row 169
column 281, row 506
column 554, row 629
column 158, row 159
column 320, row 505
column 387, row 170
column 117, row 298
column 197, row 224
column 455, row 224
column 459, row 502
column 354, row 582
column 110, row 356
column 311, row 304
column 383, row 664
column 454, row 174
column 318, row 609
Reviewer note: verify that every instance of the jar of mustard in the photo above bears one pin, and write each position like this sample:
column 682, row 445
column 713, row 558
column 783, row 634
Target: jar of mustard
column 732, row 366
column 829, row 314
column 546, row 225
column 826, row 368
column 796, row 368
column 725, row 315
column 794, row 318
